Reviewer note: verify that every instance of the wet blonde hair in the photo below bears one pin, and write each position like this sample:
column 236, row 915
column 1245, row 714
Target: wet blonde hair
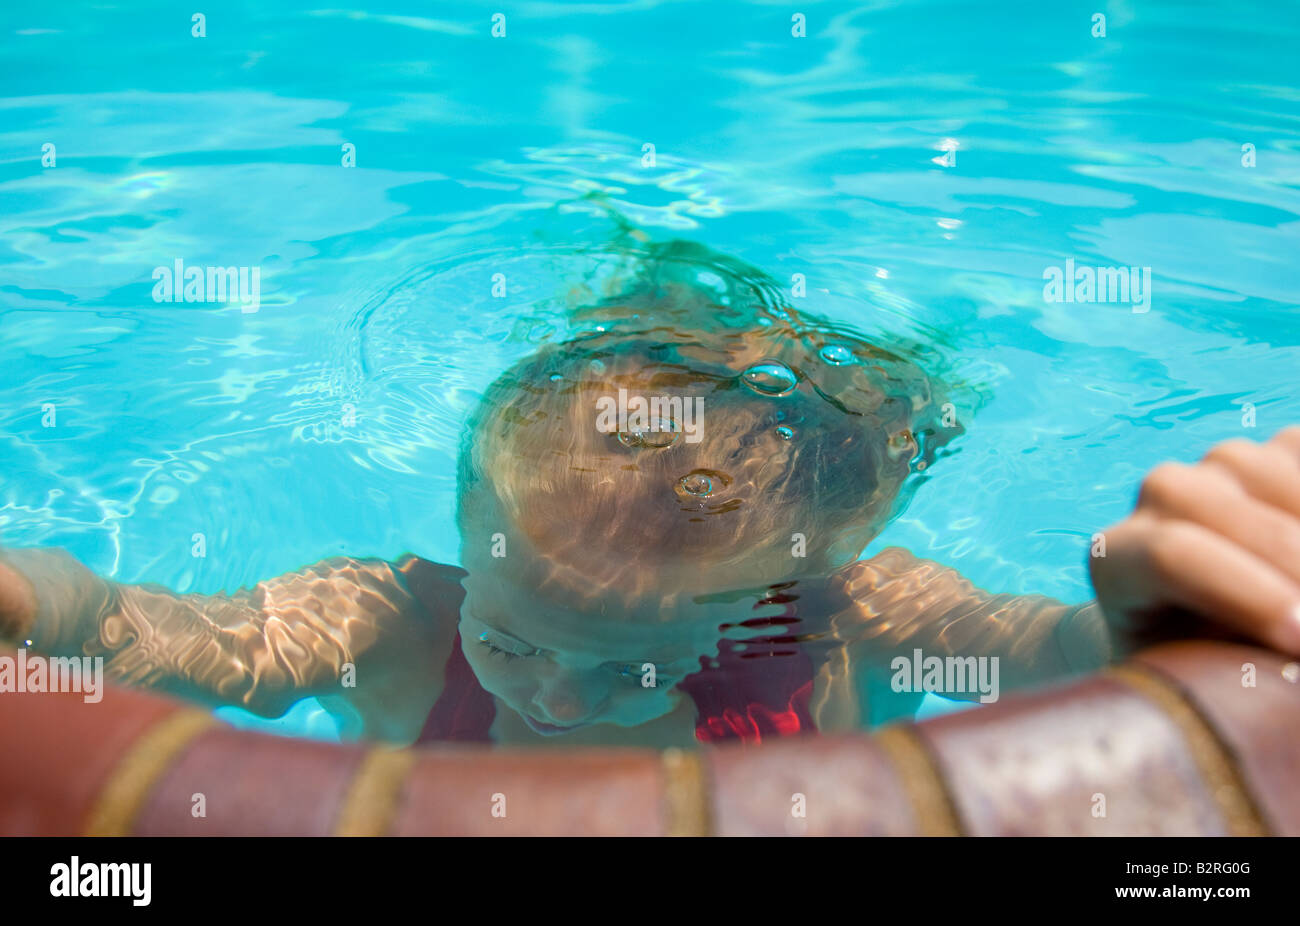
column 806, row 430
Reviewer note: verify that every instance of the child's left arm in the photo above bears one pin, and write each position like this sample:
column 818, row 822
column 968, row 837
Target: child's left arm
column 1211, row 549
column 895, row 603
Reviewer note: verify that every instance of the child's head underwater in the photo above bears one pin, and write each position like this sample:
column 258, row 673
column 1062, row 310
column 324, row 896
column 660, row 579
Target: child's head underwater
column 768, row 451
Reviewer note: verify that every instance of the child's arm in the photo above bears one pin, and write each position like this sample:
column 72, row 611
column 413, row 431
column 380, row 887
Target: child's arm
column 1210, row 550
column 895, row 602
column 261, row 648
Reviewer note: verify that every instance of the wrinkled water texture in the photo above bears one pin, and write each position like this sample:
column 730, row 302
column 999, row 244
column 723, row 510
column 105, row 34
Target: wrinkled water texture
column 919, row 164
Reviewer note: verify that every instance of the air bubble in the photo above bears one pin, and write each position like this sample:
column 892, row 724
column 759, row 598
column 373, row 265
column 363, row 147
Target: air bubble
column 697, row 484
column 660, row 434
column 836, row 354
column 901, row 442
column 701, row 483
column 770, row 377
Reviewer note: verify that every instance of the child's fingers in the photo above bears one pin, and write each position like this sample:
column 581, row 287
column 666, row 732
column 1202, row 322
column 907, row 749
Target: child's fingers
column 1289, row 440
column 1153, row 562
column 1270, row 472
column 1213, row 498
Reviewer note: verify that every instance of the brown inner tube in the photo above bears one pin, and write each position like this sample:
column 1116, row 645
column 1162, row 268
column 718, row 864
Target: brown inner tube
column 1189, row 738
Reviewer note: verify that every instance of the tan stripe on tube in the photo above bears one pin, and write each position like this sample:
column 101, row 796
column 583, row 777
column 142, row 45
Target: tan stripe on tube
column 1217, row 769
column 370, row 805
column 144, row 763
column 931, row 803
column 686, row 794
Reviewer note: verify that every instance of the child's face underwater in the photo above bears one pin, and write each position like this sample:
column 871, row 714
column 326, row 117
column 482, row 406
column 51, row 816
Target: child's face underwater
column 561, row 670
column 601, row 544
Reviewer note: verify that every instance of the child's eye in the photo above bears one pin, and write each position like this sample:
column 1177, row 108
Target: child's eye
column 638, row 671
column 505, row 649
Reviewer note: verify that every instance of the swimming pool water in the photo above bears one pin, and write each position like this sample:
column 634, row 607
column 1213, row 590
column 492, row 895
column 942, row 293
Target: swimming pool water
column 920, row 164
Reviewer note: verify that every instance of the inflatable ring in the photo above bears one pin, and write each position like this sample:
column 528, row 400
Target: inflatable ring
column 1190, row 738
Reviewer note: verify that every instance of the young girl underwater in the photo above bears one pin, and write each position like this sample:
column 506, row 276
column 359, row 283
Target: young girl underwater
column 661, row 521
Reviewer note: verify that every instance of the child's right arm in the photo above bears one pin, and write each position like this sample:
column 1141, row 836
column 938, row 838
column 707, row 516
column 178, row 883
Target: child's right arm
column 261, row 648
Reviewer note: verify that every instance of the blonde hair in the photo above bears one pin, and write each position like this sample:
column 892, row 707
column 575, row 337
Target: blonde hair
column 634, row 514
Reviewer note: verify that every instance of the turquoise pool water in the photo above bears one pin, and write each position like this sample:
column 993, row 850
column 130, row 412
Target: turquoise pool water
column 920, row 164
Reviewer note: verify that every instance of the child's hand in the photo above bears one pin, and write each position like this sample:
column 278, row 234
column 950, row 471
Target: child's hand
column 1219, row 539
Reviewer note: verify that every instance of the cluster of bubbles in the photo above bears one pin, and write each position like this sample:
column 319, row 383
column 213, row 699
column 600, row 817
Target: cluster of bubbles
column 769, row 378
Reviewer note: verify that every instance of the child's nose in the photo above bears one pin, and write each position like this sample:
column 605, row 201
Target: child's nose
column 566, row 702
